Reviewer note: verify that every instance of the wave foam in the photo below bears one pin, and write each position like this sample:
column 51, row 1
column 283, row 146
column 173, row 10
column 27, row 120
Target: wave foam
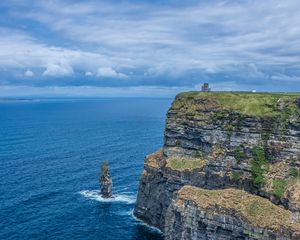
column 142, row 223
column 95, row 195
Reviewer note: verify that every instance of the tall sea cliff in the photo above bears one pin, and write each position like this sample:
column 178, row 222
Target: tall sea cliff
column 229, row 168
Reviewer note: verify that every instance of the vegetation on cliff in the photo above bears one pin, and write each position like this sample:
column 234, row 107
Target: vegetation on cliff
column 232, row 112
column 255, row 210
column 251, row 104
column 182, row 164
column 220, row 141
column 259, row 165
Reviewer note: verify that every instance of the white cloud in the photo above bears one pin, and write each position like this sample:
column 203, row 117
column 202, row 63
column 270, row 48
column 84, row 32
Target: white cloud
column 58, row 70
column 211, row 36
column 108, row 72
column 19, row 50
column 89, row 74
column 239, row 39
column 28, row 73
column 284, row 77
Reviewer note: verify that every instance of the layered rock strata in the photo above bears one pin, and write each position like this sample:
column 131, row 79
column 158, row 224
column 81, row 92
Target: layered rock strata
column 197, row 213
column 220, row 141
column 105, row 181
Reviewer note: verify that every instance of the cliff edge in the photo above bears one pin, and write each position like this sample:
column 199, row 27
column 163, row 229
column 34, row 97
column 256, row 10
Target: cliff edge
column 229, row 168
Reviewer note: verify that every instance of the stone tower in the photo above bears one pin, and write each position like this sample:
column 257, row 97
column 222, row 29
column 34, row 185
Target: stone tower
column 205, row 87
column 105, row 181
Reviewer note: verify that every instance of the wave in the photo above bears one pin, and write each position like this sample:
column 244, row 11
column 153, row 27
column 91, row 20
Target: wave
column 142, row 223
column 95, row 195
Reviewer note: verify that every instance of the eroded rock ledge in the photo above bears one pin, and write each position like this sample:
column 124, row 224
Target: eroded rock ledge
column 217, row 141
column 198, row 213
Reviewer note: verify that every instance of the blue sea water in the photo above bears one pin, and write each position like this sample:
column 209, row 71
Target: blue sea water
column 50, row 156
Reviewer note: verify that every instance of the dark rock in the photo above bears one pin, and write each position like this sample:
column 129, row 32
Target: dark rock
column 298, row 102
column 198, row 127
column 105, row 181
column 196, row 213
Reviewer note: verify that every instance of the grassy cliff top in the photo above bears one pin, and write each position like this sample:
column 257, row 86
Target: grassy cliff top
column 255, row 210
column 253, row 104
column 185, row 164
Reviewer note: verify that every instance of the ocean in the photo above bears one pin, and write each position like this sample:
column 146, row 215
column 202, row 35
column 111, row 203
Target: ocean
column 50, row 155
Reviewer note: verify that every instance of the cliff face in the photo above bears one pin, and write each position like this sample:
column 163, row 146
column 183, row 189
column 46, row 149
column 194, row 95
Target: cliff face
column 220, row 141
column 227, row 214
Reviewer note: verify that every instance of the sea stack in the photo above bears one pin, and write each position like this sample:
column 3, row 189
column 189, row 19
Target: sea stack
column 105, row 181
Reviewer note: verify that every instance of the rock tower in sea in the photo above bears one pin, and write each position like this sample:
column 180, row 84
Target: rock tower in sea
column 105, row 181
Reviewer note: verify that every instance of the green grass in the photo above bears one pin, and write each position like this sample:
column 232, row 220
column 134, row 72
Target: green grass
column 294, row 172
column 253, row 104
column 235, row 176
column 279, row 187
column 255, row 210
column 198, row 154
column 259, row 165
column 239, row 154
column 295, row 177
column 182, row 164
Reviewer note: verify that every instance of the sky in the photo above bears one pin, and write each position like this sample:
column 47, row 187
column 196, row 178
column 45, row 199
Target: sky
column 147, row 48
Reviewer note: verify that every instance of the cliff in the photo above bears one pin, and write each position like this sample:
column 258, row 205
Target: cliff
column 223, row 148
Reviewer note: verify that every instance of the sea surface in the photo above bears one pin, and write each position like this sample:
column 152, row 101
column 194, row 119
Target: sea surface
column 50, row 156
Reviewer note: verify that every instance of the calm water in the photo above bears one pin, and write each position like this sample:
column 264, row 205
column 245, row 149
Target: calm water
column 50, row 155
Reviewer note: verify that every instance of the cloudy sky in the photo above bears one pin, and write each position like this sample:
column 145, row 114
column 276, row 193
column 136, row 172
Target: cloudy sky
column 147, row 47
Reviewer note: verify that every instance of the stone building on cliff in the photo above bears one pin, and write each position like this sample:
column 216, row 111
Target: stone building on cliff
column 205, row 87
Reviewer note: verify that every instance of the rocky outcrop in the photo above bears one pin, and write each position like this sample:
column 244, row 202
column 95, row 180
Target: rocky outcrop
column 197, row 213
column 220, row 141
column 105, row 181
